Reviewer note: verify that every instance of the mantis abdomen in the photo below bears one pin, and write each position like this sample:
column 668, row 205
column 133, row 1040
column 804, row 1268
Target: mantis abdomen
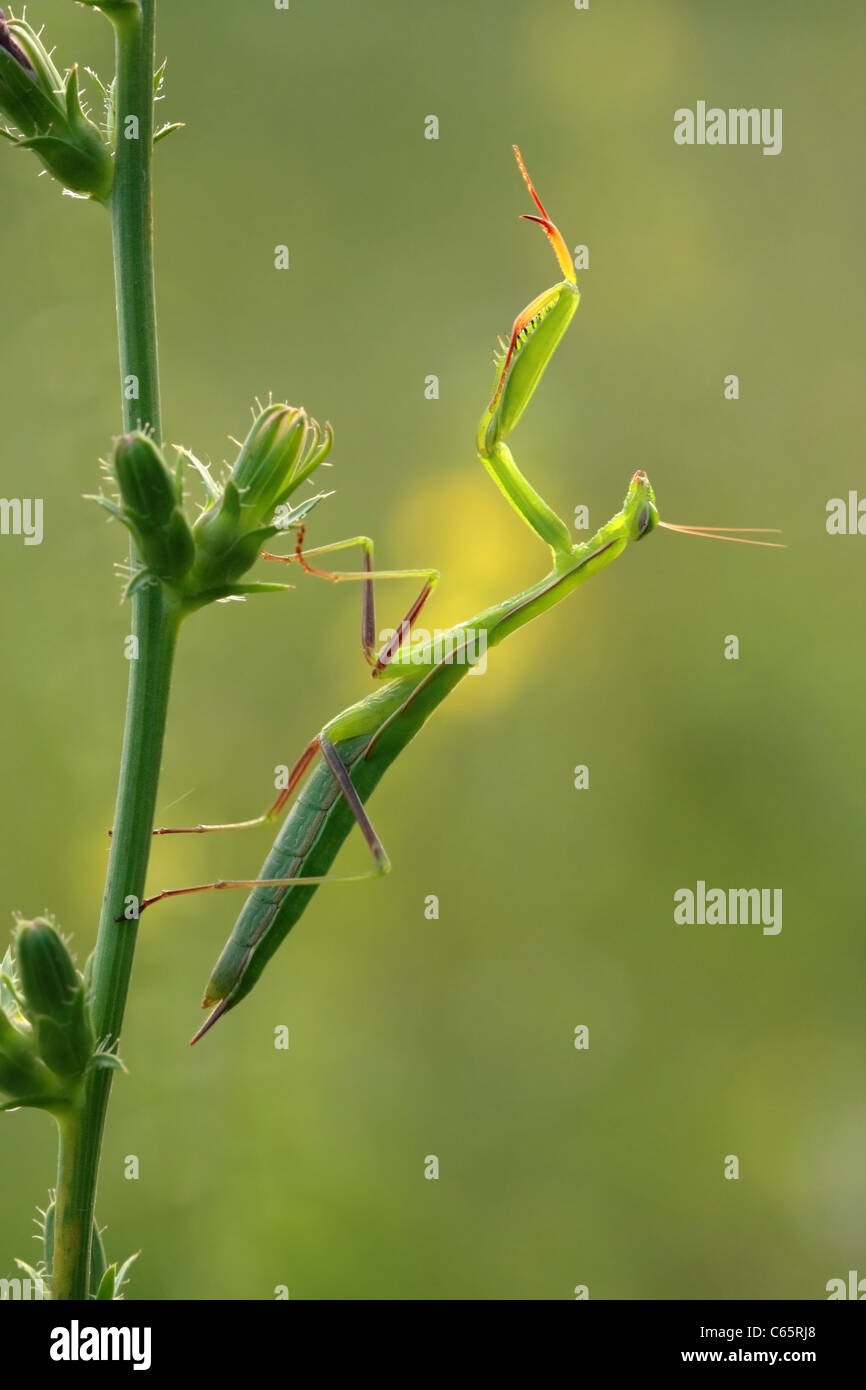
column 307, row 845
column 319, row 823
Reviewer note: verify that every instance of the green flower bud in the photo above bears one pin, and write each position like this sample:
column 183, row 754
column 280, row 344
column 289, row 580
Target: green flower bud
column 54, row 998
column 45, row 111
column 47, row 971
column 146, row 484
column 151, row 507
column 282, row 449
column 267, row 460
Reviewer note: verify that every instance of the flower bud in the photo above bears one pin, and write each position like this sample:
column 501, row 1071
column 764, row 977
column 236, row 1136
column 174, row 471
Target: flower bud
column 268, row 457
column 45, row 111
column 53, row 998
column 282, row 449
column 7, row 41
column 151, row 507
column 146, row 485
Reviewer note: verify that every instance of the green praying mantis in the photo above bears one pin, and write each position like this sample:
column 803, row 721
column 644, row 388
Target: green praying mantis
column 359, row 745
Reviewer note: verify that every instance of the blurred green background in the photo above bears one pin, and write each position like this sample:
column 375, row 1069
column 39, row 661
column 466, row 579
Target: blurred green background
column 455, row 1037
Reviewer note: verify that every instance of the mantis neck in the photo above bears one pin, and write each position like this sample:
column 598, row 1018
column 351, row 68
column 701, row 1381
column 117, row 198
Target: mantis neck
column 569, row 571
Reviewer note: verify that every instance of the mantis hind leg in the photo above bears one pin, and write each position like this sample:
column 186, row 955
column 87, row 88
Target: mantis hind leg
column 367, row 576
column 356, row 806
column 270, row 814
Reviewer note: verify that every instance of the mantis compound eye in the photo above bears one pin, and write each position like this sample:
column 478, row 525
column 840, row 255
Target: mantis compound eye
column 646, row 520
column 640, row 505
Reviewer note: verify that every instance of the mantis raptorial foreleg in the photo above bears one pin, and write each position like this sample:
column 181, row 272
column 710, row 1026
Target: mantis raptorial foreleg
column 367, row 576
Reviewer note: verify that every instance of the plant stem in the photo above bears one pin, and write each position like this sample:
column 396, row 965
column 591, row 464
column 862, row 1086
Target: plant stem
column 131, row 218
column 155, row 622
column 68, row 1232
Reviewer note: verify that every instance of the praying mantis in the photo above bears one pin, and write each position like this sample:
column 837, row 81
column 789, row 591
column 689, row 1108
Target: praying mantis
column 411, row 680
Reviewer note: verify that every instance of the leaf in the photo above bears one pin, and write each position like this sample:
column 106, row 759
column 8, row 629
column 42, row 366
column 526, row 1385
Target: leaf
column 142, row 579
column 28, row 1103
column 123, row 1273
column 73, row 98
column 9, row 1001
column 46, row 145
column 39, row 1277
column 97, row 1261
column 91, row 72
column 114, row 1279
column 230, row 505
column 213, row 489
column 106, row 1060
column 224, row 592
column 48, row 1237
column 88, row 977
column 167, row 129
column 106, row 1286
column 111, row 113
column 111, row 507
column 298, row 513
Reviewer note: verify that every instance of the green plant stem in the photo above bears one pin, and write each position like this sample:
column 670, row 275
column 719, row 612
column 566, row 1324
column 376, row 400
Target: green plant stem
column 68, row 1225
column 155, row 623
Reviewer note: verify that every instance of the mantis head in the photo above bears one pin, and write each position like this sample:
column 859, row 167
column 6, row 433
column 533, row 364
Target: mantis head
column 534, row 336
column 639, row 516
column 639, row 508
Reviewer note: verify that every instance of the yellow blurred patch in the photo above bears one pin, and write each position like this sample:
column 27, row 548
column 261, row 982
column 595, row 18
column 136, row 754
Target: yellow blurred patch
column 459, row 524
